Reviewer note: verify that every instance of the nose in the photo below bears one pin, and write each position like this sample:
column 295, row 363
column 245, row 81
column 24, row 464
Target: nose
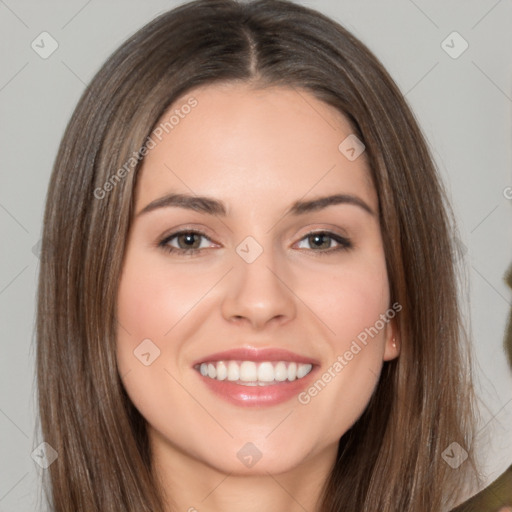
column 258, row 294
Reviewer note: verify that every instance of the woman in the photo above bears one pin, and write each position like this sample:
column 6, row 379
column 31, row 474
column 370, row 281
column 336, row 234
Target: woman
column 248, row 296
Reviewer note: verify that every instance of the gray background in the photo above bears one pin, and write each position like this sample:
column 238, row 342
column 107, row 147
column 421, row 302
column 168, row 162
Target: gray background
column 463, row 105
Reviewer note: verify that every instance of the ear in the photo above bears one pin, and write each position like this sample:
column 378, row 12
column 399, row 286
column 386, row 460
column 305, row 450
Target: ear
column 393, row 342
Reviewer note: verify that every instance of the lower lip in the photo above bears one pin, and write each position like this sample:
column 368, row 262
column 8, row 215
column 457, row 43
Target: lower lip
column 251, row 396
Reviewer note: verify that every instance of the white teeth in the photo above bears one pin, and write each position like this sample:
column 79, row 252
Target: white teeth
column 233, row 371
column 222, row 370
column 280, row 372
column 302, row 370
column 265, row 372
column 250, row 373
column 292, row 371
column 212, row 371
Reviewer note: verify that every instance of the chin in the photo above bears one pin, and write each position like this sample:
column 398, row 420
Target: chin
column 258, row 457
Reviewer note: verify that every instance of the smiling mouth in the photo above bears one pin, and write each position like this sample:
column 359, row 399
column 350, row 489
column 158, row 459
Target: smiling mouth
column 251, row 373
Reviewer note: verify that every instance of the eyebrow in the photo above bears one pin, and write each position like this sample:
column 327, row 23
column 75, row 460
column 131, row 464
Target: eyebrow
column 213, row 206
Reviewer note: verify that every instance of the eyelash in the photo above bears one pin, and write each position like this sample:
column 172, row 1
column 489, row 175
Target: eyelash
column 344, row 243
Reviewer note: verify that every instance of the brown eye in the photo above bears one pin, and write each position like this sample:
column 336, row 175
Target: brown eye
column 189, row 241
column 184, row 242
column 322, row 242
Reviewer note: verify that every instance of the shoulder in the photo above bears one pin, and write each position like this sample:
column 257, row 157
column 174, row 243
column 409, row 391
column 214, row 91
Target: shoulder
column 497, row 497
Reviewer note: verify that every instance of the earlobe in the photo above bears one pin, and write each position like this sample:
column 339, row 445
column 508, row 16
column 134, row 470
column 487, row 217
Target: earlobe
column 392, row 348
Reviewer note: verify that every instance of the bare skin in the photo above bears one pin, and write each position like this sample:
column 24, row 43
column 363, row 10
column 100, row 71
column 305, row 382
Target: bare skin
column 257, row 151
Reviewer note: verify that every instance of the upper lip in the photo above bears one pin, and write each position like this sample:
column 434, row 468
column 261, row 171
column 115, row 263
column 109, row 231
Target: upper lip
column 257, row 355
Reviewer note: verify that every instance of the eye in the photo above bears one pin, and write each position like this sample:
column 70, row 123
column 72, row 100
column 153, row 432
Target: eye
column 189, row 242
column 185, row 242
column 322, row 240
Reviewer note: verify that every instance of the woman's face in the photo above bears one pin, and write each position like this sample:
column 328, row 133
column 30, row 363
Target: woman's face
column 259, row 350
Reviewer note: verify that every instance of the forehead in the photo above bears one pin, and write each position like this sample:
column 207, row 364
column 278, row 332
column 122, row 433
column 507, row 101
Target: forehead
column 246, row 144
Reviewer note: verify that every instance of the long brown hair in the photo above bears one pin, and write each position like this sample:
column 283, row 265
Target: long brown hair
column 394, row 457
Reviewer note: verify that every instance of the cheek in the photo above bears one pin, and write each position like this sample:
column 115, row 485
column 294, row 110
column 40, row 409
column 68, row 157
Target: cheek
column 149, row 306
column 351, row 303
column 349, row 299
column 152, row 299
column 363, row 298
